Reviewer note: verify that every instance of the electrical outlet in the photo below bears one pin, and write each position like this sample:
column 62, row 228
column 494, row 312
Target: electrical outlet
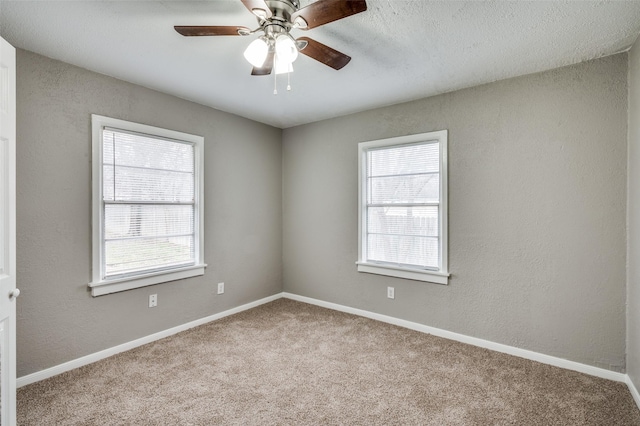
column 391, row 292
column 153, row 300
column 220, row 288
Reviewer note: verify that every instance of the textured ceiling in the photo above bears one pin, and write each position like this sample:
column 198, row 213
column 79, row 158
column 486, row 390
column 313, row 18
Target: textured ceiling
column 401, row 50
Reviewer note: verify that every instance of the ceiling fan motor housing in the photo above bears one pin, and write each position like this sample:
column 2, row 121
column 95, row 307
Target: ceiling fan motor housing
column 281, row 11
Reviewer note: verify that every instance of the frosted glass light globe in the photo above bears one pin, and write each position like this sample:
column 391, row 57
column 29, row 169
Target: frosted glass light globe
column 256, row 53
column 286, row 48
column 282, row 66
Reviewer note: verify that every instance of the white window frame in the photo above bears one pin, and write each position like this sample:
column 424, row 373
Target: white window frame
column 439, row 276
column 101, row 285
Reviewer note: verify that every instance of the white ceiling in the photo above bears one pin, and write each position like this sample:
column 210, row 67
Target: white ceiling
column 401, row 50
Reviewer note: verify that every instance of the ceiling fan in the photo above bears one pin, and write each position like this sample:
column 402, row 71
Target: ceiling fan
column 276, row 48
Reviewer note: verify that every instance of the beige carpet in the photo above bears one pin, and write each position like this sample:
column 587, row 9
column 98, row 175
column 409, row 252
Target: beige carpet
column 291, row 363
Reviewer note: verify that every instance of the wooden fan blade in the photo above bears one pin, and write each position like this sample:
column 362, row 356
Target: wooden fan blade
column 189, row 31
column 266, row 68
column 325, row 54
column 258, row 8
column 324, row 11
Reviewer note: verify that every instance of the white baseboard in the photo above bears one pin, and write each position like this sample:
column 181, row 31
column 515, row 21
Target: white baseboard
column 498, row 347
column 633, row 390
column 97, row 356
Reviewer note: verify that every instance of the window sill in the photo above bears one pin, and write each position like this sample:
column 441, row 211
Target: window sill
column 406, row 273
column 99, row 288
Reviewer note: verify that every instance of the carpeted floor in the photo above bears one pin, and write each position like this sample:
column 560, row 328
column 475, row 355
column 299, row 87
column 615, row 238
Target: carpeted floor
column 287, row 363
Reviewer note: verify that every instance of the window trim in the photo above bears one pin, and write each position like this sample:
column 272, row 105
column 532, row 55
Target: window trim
column 100, row 286
column 440, row 276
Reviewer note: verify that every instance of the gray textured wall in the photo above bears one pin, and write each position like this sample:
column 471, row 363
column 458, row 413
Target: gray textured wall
column 537, row 208
column 58, row 320
column 633, row 233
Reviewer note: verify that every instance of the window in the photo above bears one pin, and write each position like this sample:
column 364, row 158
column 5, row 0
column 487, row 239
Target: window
column 147, row 205
column 403, row 207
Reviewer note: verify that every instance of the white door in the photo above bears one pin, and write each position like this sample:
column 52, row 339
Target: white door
column 8, row 291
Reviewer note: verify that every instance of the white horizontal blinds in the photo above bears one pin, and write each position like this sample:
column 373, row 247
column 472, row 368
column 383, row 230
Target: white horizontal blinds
column 149, row 203
column 403, row 196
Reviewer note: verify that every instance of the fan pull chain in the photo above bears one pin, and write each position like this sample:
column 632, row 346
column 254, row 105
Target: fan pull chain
column 275, row 83
column 288, row 81
column 275, row 74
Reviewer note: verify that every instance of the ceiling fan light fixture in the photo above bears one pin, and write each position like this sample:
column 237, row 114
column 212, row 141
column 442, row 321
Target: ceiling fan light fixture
column 286, row 48
column 257, row 52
